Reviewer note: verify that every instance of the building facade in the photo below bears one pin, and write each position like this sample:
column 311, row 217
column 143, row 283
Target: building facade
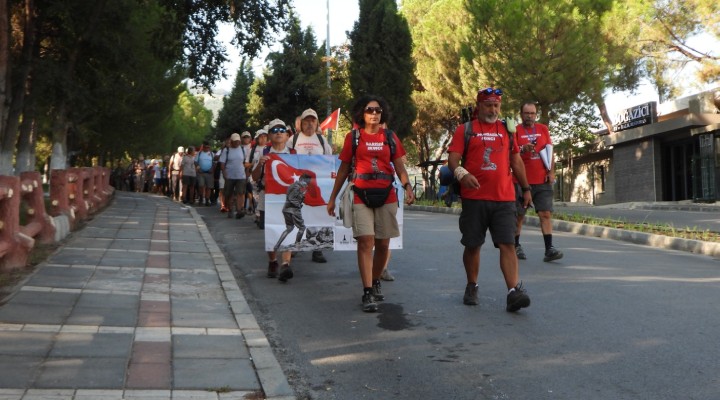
column 668, row 152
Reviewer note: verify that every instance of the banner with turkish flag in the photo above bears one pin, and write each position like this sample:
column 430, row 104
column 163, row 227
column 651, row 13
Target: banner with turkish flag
column 307, row 227
column 331, row 122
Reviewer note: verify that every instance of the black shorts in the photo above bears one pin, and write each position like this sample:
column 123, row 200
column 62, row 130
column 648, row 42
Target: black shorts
column 478, row 216
column 542, row 198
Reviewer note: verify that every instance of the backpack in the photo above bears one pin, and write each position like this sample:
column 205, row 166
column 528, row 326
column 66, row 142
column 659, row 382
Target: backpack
column 319, row 136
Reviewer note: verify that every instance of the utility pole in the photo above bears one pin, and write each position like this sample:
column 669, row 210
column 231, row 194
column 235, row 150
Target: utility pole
column 327, row 66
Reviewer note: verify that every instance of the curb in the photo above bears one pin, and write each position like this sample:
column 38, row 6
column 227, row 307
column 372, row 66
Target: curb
column 271, row 376
column 647, row 239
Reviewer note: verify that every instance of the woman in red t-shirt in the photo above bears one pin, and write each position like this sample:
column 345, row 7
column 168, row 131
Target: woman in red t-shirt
column 375, row 169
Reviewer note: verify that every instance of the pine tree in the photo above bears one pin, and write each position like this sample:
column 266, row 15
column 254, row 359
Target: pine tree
column 234, row 116
column 292, row 82
column 381, row 60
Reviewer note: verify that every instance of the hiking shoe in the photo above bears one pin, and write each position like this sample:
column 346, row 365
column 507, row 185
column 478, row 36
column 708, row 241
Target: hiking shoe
column 377, row 291
column 368, row 303
column 318, row 257
column 272, row 269
column 285, row 273
column 517, row 298
column 471, row 296
column 552, row 254
column 387, row 276
column 520, row 253
column 239, row 214
column 207, row 203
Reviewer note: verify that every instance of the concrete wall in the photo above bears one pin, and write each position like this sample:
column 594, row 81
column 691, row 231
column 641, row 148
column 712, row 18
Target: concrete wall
column 635, row 171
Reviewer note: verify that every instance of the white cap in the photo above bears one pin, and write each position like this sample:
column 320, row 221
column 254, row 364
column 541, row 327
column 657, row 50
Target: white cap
column 234, row 137
column 260, row 132
column 246, row 134
column 181, row 149
column 276, row 122
column 309, row 113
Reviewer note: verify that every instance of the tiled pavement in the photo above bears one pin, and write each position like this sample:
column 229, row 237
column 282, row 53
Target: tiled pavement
column 139, row 304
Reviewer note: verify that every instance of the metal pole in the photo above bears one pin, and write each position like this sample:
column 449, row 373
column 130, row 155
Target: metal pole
column 327, row 66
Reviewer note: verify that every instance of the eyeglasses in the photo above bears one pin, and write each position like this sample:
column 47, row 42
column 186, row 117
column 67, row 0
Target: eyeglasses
column 278, row 130
column 490, row 90
column 373, row 110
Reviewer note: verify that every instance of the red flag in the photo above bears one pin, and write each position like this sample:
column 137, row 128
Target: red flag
column 331, row 122
column 279, row 176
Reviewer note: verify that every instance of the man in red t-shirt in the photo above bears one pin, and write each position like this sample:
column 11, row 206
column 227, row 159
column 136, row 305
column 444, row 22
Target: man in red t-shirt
column 488, row 195
column 532, row 138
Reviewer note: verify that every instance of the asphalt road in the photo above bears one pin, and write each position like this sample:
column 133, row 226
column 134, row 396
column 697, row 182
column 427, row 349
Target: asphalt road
column 611, row 320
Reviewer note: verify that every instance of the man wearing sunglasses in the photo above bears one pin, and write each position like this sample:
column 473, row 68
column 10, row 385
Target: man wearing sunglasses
column 532, row 138
column 488, row 195
column 309, row 141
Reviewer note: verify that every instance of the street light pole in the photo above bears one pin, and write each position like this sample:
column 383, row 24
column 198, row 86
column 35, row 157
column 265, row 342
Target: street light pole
column 327, row 66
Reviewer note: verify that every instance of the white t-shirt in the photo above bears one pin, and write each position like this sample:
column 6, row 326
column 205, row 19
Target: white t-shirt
column 310, row 145
column 234, row 159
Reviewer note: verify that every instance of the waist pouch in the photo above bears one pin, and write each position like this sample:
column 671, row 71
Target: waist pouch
column 373, row 197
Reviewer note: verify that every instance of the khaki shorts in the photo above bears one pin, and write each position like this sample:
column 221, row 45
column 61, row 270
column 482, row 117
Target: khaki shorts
column 380, row 222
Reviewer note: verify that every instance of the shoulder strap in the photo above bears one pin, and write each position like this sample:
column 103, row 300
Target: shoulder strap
column 468, row 135
column 252, row 152
column 322, row 142
column 390, row 135
column 295, row 138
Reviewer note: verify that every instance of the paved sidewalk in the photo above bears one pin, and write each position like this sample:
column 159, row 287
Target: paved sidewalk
column 139, row 304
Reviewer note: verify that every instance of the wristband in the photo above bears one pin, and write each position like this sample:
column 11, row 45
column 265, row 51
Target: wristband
column 406, row 185
column 526, row 189
column 460, row 173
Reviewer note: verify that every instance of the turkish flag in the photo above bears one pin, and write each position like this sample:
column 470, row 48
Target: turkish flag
column 331, row 122
column 279, row 175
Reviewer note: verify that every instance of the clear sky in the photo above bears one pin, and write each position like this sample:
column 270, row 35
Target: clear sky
column 343, row 14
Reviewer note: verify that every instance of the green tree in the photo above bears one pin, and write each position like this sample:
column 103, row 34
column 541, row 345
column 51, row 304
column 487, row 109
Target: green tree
column 448, row 73
column 51, row 47
column 381, row 60
column 541, row 51
column 234, row 115
column 292, row 82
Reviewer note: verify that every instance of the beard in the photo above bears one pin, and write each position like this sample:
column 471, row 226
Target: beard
column 488, row 119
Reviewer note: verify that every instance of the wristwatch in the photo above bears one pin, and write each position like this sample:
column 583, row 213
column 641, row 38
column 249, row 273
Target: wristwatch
column 526, row 189
column 406, row 185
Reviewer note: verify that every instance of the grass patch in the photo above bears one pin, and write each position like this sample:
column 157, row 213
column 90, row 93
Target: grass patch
column 693, row 233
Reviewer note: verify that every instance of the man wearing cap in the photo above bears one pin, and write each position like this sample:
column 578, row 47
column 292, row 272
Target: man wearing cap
column 256, row 152
column 232, row 163
column 309, row 141
column 488, row 194
column 247, row 200
column 175, row 181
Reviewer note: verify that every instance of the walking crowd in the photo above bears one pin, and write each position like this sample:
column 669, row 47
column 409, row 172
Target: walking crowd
column 496, row 167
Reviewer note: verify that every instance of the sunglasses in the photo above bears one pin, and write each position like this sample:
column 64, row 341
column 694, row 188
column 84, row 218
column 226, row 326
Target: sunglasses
column 490, row 90
column 278, row 130
column 373, row 110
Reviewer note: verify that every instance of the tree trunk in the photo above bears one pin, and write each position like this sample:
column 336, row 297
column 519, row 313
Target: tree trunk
column 26, row 144
column 605, row 117
column 6, row 143
column 60, row 127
